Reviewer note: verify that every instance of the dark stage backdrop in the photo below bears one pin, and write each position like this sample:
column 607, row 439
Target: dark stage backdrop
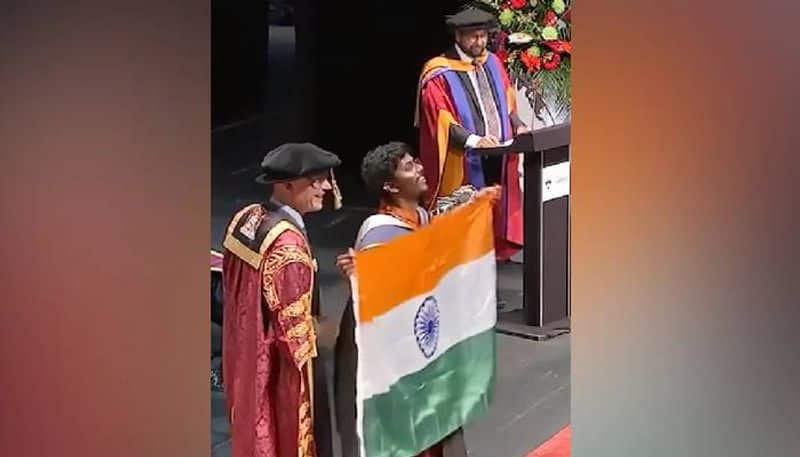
column 357, row 65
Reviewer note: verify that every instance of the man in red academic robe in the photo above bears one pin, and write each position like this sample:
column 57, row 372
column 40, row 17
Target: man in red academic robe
column 466, row 100
column 276, row 397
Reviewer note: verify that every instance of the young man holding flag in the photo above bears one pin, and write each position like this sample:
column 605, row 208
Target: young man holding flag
column 391, row 172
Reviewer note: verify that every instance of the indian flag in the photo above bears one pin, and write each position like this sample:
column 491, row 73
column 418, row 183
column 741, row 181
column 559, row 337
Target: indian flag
column 425, row 308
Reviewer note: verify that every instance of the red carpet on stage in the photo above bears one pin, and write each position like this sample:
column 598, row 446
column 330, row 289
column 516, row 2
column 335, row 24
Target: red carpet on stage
column 556, row 446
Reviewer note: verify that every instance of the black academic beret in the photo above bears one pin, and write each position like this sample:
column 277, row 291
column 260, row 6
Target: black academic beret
column 471, row 17
column 295, row 160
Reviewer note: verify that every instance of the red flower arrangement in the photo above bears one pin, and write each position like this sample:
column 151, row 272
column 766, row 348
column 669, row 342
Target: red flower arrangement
column 534, row 44
column 530, row 61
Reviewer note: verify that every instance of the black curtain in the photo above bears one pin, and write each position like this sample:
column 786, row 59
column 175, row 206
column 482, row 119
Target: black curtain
column 238, row 59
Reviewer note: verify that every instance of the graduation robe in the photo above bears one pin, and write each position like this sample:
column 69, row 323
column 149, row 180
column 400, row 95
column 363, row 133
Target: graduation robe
column 448, row 111
column 375, row 230
column 272, row 385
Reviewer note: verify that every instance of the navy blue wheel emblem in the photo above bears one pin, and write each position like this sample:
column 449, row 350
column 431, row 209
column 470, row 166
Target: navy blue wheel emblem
column 426, row 327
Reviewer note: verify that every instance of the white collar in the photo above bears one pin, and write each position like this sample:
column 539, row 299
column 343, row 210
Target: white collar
column 292, row 213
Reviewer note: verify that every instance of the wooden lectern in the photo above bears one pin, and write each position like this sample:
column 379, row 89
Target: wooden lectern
column 546, row 298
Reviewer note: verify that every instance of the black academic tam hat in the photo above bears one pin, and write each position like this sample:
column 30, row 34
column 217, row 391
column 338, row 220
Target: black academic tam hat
column 295, row 160
column 471, row 17
column 291, row 161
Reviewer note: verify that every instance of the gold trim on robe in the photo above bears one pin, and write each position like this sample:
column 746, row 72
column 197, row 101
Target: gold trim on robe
column 298, row 327
column 254, row 253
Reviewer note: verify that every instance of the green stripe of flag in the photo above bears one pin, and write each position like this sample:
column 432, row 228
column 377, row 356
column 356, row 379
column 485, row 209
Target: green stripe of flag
column 425, row 406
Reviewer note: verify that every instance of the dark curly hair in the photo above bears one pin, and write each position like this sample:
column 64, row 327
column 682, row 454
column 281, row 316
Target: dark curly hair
column 379, row 165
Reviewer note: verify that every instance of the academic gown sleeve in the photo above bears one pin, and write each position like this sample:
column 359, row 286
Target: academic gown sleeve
column 287, row 287
column 441, row 140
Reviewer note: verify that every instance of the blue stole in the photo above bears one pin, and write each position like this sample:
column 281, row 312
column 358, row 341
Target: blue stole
column 463, row 112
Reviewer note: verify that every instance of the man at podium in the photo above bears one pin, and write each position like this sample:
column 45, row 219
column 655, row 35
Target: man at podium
column 466, row 101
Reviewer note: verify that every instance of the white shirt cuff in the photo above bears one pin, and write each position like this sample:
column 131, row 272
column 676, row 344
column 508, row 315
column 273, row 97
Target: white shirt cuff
column 472, row 141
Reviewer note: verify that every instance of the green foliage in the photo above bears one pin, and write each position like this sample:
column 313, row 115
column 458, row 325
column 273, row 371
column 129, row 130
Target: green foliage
column 548, row 23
